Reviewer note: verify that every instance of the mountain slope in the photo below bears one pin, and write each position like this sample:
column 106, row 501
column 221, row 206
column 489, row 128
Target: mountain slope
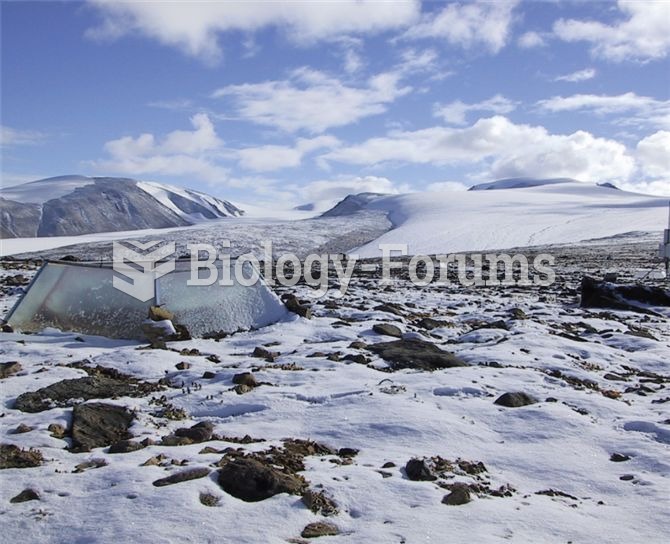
column 557, row 212
column 73, row 205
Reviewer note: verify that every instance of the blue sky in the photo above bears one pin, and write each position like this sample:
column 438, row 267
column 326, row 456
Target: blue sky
column 296, row 102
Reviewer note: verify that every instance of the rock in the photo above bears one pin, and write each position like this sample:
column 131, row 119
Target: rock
column 387, row 330
column 357, row 358
column 25, row 496
column 22, row 428
column 12, row 456
column 57, row 430
column 628, row 297
column 263, row 353
column 182, row 476
column 92, row 463
column 245, row 378
column 619, row 458
column 7, row 369
column 172, row 440
column 418, row 470
column 319, row 528
column 158, row 313
column 515, row 400
column 97, row 424
column 429, row 323
column 391, row 308
column 241, row 389
column 417, row 354
column 183, row 365
column 252, row 481
column 460, row 494
column 200, row 432
column 125, row 446
column 347, row 452
column 6, row 327
column 209, row 499
column 208, row 375
column 63, row 393
column 389, row 464
column 357, row 344
column 157, row 332
column 293, row 305
column 518, row 314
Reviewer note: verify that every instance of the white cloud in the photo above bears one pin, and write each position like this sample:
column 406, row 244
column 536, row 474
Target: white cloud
column 196, row 30
column 11, row 136
column 342, row 186
column 455, row 112
column 447, row 186
column 644, row 35
column 274, row 157
column 472, row 24
column 638, row 109
column 502, row 148
column 579, row 75
column 529, row 40
column 311, row 100
column 180, row 153
column 653, row 154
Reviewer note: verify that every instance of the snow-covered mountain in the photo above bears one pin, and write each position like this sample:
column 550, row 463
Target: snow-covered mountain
column 73, row 205
column 517, row 213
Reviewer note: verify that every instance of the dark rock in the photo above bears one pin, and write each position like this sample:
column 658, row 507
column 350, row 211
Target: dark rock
column 7, row 369
column 92, row 463
column 241, row 389
column 97, row 424
column 182, row 476
column 252, row 481
column 515, row 400
column 63, row 393
column 293, row 305
column 418, row 470
column 6, row 327
column 347, row 452
column 25, row 496
column 357, row 344
column 125, row 446
column 619, row 457
column 207, row 375
column 387, row 330
column 391, row 308
column 357, row 358
column 200, row 432
column 628, row 297
column 389, row 464
column 12, row 456
column 627, row 477
column 518, row 313
column 158, row 313
column 417, row 354
column 209, row 499
column 245, row 378
column 429, row 323
column 460, row 494
column 183, row 365
column 319, row 528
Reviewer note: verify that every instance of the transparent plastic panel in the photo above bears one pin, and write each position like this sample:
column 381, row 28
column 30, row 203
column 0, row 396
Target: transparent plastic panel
column 79, row 299
column 216, row 308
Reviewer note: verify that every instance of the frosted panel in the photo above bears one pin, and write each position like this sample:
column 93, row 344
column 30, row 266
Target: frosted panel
column 80, row 299
column 214, row 308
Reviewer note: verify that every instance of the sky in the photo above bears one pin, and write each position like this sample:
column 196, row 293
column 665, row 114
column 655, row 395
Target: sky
column 294, row 102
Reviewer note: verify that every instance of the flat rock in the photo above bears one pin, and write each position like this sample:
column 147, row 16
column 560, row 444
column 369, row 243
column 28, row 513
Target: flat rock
column 125, row 446
column 417, row 354
column 387, row 329
column 252, row 481
column 97, row 424
column 68, row 392
column 182, row 476
column 515, row 400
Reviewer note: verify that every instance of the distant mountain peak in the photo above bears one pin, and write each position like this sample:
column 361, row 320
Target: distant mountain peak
column 72, row 205
column 519, row 183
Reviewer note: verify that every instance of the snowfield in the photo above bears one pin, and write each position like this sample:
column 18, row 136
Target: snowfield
column 588, row 462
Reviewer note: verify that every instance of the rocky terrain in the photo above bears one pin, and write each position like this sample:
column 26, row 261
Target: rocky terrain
column 392, row 414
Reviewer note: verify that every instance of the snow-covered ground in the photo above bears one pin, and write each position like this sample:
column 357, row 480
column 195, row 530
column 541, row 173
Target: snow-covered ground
column 601, row 379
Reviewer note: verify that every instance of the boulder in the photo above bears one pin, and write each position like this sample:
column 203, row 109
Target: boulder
column 182, row 476
column 628, row 297
column 515, row 400
column 12, row 456
column 251, row 480
column 97, row 424
column 7, row 369
column 387, row 329
column 419, row 470
column 200, row 432
column 319, row 528
column 460, row 494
